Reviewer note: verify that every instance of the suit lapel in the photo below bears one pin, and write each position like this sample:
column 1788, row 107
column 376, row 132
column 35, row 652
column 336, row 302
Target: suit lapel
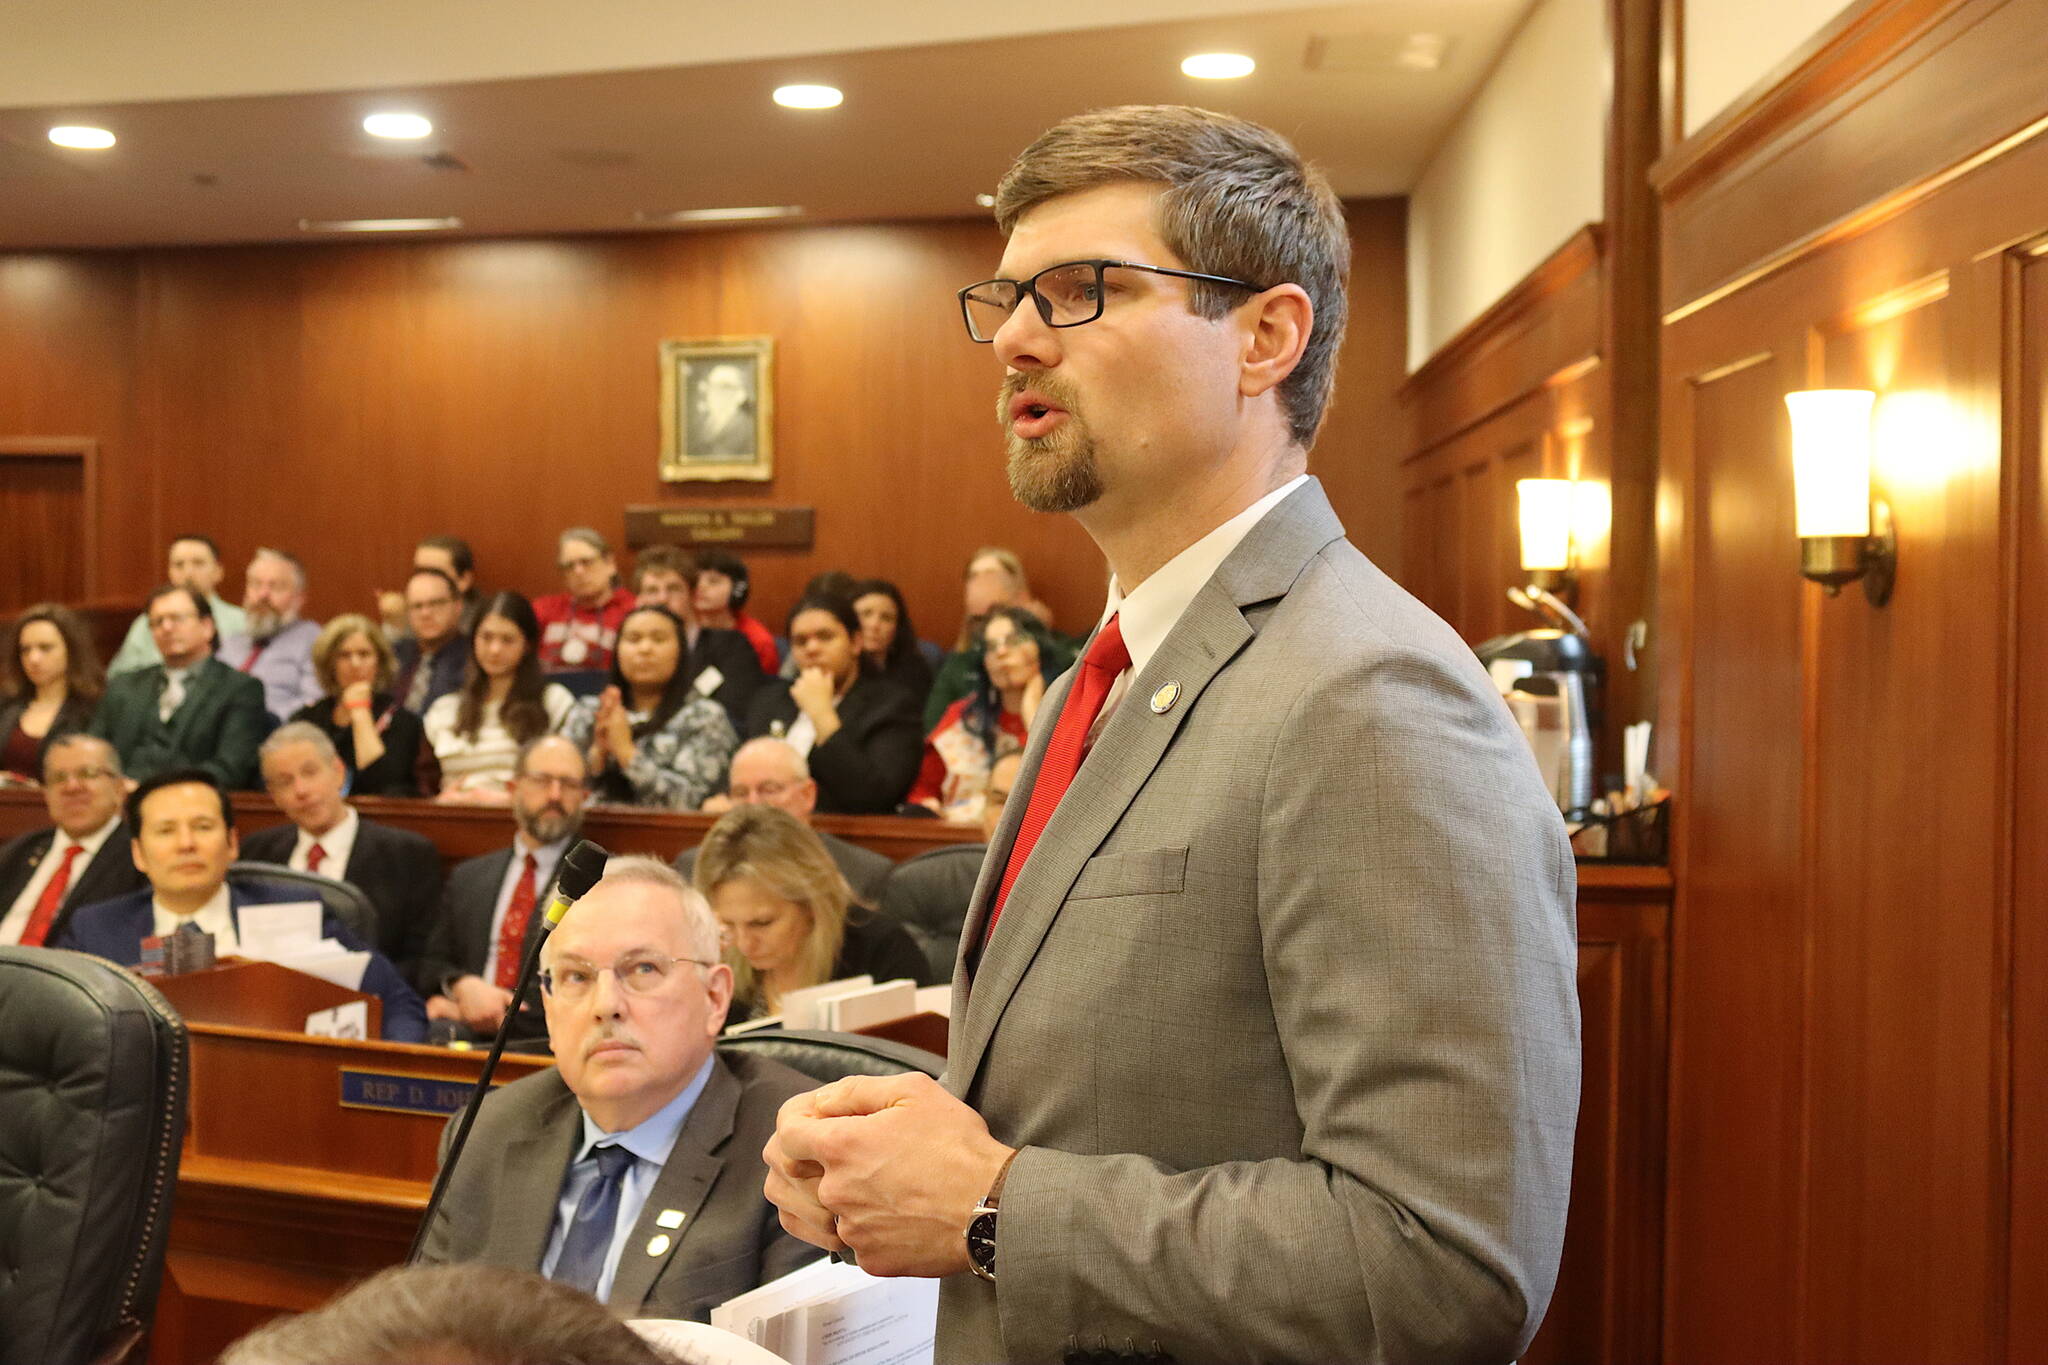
column 684, row 1183
column 1208, row 635
column 532, row 1168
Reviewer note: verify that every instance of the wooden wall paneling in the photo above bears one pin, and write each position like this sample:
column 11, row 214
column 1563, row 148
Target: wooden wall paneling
column 1733, row 1242
column 1358, row 453
column 49, row 503
column 2026, row 813
column 1903, row 1009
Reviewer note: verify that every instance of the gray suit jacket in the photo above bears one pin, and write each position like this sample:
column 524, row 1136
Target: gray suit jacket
column 1282, row 1009
column 500, row 1207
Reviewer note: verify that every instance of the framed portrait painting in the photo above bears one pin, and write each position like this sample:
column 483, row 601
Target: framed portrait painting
column 718, row 409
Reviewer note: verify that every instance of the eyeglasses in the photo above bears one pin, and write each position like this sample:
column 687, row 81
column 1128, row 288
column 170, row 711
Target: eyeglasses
column 61, row 776
column 172, row 618
column 1067, row 295
column 432, row 604
column 1003, row 644
column 541, row 783
column 572, row 979
column 573, row 565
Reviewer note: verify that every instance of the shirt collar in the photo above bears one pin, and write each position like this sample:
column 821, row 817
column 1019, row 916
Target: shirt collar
column 1150, row 610
column 654, row 1137
column 91, row 843
column 343, row 835
column 213, row 917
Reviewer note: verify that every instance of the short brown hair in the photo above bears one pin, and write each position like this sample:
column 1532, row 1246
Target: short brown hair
column 331, row 637
column 1239, row 202
column 674, row 558
column 485, row 1314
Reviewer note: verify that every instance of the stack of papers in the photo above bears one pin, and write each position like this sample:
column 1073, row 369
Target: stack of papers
column 289, row 935
column 837, row 1314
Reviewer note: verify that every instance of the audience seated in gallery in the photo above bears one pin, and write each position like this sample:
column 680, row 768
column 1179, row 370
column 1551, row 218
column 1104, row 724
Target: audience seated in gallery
column 452, row 556
column 504, row 702
column 790, row 919
column 486, row 913
column 859, row 734
column 580, row 627
column 723, row 587
column 719, row 664
column 276, row 645
column 1016, row 657
column 767, row 772
column 50, row 684
column 397, row 869
column 649, row 739
column 189, row 710
column 181, row 828
column 888, row 638
column 573, row 1171
column 379, row 740
column 994, row 578
column 432, row 654
column 82, row 857
column 195, row 562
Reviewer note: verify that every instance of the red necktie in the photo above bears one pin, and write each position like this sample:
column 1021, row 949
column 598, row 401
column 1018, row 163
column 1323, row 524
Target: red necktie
column 250, row 662
column 315, row 856
column 1105, row 659
column 45, row 913
column 512, row 931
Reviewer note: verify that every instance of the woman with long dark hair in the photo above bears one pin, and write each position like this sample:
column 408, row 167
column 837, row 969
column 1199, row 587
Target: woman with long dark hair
column 1017, row 657
column 888, row 639
column 50, row 685
column 505, row 700
column 860, row 734
column 651, row 740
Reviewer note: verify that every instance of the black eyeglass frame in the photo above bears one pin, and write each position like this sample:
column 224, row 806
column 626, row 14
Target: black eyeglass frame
column 1030, row 288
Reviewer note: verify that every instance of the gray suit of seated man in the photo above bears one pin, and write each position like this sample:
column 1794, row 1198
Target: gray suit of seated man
column 633, row 1169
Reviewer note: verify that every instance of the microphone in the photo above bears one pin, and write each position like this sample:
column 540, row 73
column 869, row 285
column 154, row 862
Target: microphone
column 579, row 870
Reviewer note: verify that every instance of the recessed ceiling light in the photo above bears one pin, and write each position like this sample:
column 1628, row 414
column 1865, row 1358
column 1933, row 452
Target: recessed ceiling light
column 738, row 215
column 410, row 126
column 987, row 201
column 1218, row 66
column 377, row 224
column 1423, row 52
column 808, row 96
column 84, row 138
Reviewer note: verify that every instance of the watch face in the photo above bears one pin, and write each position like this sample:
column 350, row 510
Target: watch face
column 981, row 1241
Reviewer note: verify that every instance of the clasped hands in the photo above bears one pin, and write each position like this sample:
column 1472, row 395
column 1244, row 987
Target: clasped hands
column 890, row 1167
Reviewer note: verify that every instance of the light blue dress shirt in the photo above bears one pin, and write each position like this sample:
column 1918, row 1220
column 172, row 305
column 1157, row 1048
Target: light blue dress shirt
column 650, row 1142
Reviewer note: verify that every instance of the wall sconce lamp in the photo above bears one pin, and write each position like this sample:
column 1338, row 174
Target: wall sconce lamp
column 1546, row 518
column 1844, row 534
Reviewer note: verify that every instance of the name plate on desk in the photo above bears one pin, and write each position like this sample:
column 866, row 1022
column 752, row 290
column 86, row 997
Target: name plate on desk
column 397, row 1093
column 741, row 527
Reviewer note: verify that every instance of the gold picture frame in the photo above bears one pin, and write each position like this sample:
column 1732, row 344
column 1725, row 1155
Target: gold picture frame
column 718, row 409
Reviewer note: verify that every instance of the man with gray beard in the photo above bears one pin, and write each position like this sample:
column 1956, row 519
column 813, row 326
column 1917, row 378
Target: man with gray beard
column 479, row 936
column 276, row 648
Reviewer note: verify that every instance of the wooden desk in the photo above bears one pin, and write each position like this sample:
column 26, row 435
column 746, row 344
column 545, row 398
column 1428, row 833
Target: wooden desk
column 466, row 831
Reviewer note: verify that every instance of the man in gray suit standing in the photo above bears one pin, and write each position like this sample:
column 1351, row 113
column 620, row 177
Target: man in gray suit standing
column 1264, row 1033
column 632, row 1169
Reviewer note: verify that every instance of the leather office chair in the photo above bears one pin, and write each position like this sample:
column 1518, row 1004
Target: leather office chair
column 827, row 1056
column 344, row 900
column 93, row 1070
column 928, row 896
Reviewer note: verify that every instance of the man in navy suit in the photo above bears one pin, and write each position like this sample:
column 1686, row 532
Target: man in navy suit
column 182, row 837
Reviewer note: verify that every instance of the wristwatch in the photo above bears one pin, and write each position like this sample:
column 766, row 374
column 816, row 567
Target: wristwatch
column 981, row 1228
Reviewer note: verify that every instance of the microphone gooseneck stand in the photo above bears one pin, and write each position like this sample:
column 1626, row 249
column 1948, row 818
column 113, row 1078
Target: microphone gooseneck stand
column 579, row 870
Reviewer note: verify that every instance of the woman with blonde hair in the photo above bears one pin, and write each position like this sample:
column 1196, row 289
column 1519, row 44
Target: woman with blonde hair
column 788, row 917
column 377, row 738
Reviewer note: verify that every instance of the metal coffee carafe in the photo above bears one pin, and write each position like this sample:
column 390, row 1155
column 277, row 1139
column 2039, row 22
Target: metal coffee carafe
column 1551, row 681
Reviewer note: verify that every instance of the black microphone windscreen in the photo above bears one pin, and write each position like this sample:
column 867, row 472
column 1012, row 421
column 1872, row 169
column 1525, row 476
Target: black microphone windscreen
column 581, row 867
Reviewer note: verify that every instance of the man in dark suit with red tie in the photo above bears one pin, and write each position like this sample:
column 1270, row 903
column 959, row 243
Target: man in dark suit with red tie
column 47, row 873
column 473, row 954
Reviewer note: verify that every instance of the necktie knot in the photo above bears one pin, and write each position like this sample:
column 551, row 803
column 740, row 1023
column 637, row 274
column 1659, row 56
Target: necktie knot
column 613, row 1162
column 1106, row 651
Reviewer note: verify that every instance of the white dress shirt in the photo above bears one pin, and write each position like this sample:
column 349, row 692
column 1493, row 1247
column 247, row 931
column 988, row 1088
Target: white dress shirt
column 16, row 921
column 1154, row 607
column 336, row 844
column 651, row 1142
column 545, row 856
column 216, row 917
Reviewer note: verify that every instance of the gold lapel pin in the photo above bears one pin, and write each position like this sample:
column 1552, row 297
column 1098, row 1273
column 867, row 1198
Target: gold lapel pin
column 659, row 1245
column 1164, row 698
column 670, row 1218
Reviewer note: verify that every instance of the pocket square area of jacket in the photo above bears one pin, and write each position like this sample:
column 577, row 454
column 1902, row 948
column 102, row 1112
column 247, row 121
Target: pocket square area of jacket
column 1149, row 872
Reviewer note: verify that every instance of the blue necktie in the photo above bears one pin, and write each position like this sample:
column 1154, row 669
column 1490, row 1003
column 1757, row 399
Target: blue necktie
column 590, row 1231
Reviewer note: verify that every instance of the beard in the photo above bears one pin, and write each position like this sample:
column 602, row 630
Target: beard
column 1054, row 473
column 264, row 622
column 547, row 824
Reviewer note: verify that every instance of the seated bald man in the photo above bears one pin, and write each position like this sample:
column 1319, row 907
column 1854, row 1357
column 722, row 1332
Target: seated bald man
column 181, row 830
column 632, row 1169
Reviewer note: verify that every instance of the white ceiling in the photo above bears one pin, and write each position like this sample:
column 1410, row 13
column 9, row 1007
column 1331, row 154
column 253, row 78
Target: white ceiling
column 237, row 118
